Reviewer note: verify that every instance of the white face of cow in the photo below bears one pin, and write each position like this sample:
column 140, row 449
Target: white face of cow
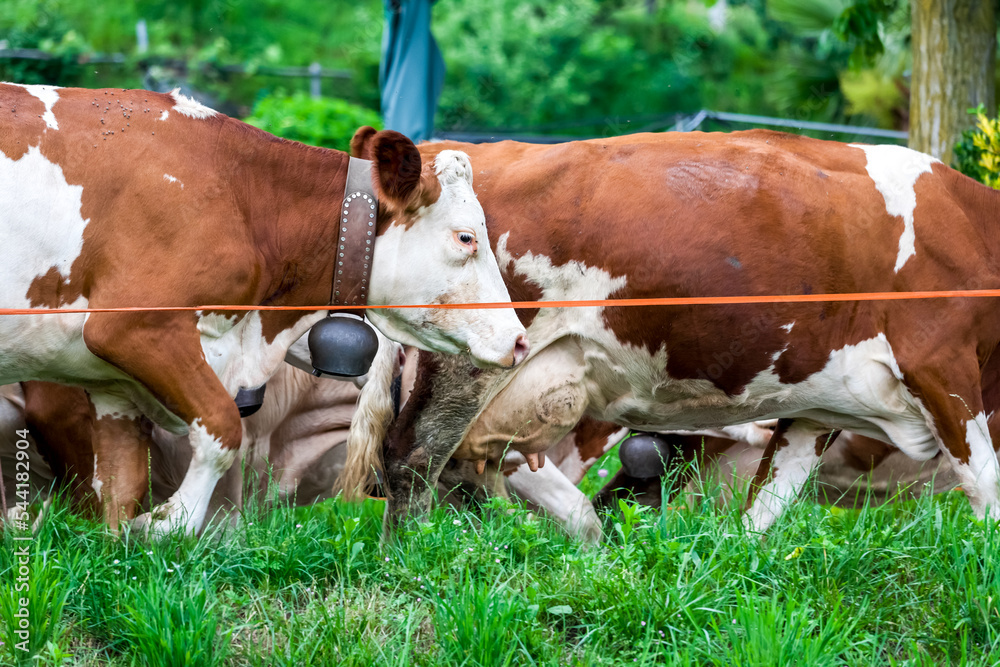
column 444, row 257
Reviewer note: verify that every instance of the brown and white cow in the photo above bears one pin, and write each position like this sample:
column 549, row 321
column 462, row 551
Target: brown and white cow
column 748, row 213
column 115, row 198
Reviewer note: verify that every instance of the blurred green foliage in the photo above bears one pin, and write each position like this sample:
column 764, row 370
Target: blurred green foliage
column 339, row 34
column 517, row 63
column 557, row 66
column 861, row 23
column 324, row 122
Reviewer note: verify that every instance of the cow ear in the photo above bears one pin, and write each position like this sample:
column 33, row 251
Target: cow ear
column 396, row 167
column 361, row 144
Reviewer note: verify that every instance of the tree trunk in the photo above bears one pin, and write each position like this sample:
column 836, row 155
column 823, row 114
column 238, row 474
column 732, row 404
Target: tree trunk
column 954, row 53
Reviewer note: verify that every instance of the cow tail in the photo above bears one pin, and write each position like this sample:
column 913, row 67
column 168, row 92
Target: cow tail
column 370, row 424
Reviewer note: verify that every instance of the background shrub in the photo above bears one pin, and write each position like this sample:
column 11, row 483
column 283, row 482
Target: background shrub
column 978, row 153
column 324, row 121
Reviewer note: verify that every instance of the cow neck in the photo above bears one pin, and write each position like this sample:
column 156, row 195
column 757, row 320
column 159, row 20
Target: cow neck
column 356, row 239
column 289, row 196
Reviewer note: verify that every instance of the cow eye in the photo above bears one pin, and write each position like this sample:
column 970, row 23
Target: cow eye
column 467, row 240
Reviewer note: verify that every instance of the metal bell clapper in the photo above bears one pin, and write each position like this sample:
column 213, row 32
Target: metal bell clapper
column 342, row 345
column 645, row 455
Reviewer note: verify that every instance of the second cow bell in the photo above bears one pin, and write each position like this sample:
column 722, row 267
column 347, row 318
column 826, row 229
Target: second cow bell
column 645, row 455
column 343, row 345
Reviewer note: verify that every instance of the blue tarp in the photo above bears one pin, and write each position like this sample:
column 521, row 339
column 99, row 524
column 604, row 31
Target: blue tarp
column 411, row 73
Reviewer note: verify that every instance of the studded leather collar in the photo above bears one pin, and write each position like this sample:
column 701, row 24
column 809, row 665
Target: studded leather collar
column 356, row 244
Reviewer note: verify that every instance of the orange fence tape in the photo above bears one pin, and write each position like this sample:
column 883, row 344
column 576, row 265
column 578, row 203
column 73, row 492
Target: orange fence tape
column 583, row 303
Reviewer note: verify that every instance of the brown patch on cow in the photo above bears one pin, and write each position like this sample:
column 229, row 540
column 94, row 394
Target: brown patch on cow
column 52, row 290
column 21, row 112
column 824, row 441
column 520, row 289
column 591, row 437
column 274, row 322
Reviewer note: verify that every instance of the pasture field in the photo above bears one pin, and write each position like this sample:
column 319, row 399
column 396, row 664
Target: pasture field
column 915, row 583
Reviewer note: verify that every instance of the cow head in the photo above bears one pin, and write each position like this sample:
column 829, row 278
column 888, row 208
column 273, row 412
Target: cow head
column 432, row 248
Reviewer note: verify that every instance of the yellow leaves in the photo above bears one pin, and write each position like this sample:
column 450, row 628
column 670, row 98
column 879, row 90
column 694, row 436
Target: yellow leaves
column 795, row 553
column 987, row 140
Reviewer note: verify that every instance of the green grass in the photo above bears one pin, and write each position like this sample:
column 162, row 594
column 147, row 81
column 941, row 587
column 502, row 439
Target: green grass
column 915, row 583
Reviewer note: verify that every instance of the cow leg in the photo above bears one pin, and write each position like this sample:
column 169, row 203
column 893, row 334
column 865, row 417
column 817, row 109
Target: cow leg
column 61, row 420
column 957, row 421
column 173, row 369
column 550, row 490
column 791, row 455
column 120, row 476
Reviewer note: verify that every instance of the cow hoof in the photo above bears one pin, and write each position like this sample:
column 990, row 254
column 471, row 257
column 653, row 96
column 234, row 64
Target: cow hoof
column 645, row 455
column 159, row 522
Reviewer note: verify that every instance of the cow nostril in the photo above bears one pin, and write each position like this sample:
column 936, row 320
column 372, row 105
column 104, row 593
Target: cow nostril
column 521, row 348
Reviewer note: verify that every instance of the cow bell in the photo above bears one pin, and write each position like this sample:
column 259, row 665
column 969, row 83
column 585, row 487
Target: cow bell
column 645, row 455
column 250, row 400
column 342, row 345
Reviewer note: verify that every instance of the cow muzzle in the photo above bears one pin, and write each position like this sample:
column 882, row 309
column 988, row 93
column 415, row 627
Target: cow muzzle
column 509, row 355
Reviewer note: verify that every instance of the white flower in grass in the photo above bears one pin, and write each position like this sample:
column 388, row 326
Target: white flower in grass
column 457, row 522
column 116, row 561
column 298, row 525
